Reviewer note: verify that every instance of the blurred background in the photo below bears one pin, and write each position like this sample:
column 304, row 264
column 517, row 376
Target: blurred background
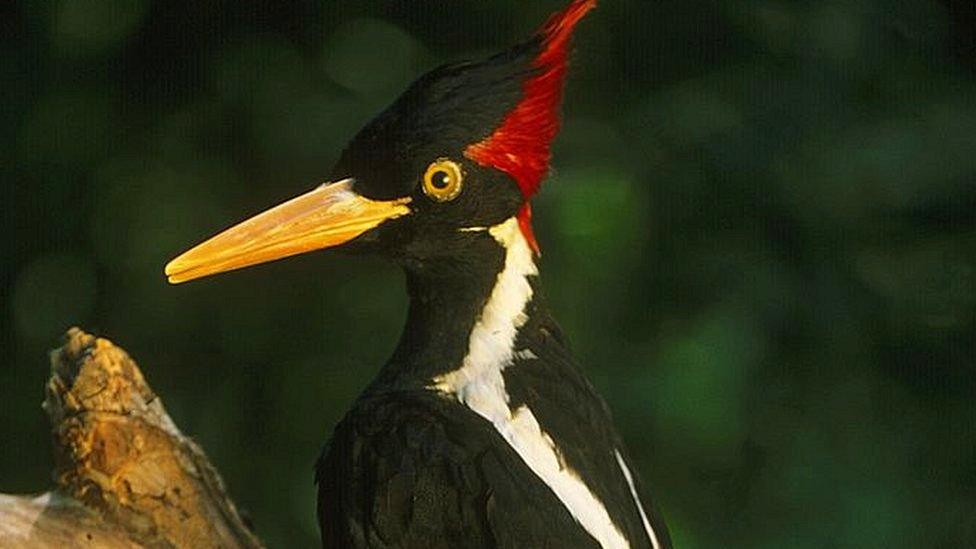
column 760, row 235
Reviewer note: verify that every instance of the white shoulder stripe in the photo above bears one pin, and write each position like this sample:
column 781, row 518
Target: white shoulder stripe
column 633, row 492
column 480, row 386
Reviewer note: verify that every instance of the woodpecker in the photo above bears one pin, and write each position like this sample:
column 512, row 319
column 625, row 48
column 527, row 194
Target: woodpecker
column 481, row 430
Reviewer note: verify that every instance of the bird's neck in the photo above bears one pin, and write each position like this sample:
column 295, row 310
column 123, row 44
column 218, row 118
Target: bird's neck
column 467, row 308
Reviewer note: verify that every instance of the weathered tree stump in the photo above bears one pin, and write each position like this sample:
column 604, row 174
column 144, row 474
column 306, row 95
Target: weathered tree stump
column 125, row 476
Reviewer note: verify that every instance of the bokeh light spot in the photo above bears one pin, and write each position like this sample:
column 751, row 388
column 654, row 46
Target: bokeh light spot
column 91, row 26
column 702, row 394
column 369, row 55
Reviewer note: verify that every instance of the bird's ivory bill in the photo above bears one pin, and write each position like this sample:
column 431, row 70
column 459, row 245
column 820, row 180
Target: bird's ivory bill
column 331, row 215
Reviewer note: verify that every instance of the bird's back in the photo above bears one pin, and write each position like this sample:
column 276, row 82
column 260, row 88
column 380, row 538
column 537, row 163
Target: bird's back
column 416, row 470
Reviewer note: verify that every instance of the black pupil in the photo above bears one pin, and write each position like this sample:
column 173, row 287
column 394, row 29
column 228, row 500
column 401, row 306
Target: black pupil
column 440, row 180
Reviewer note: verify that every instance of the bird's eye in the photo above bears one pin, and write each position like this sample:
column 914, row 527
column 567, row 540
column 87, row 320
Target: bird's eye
column 443, row 180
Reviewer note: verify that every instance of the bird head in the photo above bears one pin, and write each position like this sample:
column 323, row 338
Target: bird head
column 464, row 149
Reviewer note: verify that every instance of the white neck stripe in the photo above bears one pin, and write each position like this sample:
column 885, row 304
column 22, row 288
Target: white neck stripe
column 479, row 385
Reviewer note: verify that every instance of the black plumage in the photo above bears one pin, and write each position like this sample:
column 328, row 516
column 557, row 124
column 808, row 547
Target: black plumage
column 408, row 468
column 481, row 430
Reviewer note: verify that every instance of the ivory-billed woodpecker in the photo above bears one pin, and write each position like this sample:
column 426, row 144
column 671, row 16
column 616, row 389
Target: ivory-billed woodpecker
column 481, row 430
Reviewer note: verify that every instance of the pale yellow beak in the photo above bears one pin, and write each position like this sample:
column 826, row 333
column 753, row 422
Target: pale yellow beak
column 328, row 216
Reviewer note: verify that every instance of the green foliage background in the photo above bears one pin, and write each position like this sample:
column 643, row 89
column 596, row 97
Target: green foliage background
column 760, row 235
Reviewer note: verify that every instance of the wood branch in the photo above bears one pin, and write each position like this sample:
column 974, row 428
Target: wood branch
column 125, row 476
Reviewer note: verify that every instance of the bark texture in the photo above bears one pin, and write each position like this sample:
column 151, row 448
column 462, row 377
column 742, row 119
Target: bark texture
column 125, row 476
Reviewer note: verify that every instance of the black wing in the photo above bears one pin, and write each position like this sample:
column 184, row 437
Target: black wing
column 550, row 383
column 417, row 470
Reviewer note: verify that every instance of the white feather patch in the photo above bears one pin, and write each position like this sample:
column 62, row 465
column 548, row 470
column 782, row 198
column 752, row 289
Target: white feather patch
column 480, row 386
column 640, row 507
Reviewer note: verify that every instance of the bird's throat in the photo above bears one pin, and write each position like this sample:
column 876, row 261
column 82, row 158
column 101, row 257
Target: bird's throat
column 449, row 301
column 491, row 341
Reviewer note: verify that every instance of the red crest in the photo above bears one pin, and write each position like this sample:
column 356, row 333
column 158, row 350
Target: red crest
column 520, row 146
